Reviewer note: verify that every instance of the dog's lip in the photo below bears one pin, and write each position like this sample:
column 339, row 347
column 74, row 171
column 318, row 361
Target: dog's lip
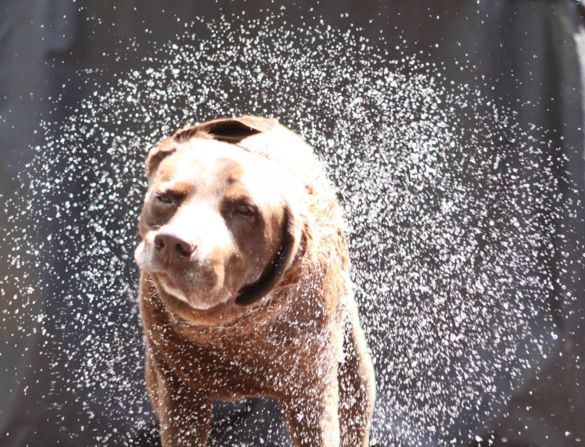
column 184, row 314
column 163, row 278
column 166, row 282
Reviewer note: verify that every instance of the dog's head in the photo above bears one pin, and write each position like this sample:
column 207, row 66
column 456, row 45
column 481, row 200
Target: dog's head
column 218, row 228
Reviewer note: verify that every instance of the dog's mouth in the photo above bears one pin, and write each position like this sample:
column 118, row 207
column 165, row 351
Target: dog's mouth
column 170, row 288
column 198, row 287
column 217, row 296
column 197, row 301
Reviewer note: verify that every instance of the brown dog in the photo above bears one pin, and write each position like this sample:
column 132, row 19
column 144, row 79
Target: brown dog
column 245, row 287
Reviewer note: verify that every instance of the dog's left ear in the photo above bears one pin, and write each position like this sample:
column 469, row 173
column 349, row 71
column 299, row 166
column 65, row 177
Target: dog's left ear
column 162, row 150
column 230, row 130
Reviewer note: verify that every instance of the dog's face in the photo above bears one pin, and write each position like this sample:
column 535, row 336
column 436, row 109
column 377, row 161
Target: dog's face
column 217, row 230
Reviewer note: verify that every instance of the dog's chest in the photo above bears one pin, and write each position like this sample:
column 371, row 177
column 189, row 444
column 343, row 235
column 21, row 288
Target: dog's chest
column 252, row 363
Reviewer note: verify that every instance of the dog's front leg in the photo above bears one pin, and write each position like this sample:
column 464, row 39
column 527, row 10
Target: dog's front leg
column 357, row 387
column 312, row 415
column 185, row 419
column 184, row 415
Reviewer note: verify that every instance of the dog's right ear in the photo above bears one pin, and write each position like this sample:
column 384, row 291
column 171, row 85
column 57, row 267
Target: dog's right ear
column 229, row 130
column 163, row 149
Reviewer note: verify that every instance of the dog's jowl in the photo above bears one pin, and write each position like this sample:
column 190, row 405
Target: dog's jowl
column 244, row 286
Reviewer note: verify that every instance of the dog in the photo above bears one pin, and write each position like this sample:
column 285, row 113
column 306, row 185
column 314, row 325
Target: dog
column 244, row 286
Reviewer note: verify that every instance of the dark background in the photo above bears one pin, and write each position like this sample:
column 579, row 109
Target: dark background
column 525, row 54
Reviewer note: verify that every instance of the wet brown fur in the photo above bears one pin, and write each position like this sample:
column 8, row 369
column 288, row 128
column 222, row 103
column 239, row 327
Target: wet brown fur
column 302, row 344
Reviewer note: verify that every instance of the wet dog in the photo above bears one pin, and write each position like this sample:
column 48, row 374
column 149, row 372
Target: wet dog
column 244, row 286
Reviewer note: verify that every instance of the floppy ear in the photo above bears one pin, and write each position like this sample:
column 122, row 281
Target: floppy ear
column 230, row 130
column 163, row 149
column 279, row 266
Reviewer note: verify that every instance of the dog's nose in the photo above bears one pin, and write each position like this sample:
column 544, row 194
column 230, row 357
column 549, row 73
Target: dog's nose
column 172, row 245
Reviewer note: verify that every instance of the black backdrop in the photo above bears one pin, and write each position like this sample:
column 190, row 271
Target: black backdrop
column 526, row 54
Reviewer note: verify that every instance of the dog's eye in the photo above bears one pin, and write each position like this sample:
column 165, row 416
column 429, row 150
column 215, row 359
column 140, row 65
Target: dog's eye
column 245, row 210
column 164, row 198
